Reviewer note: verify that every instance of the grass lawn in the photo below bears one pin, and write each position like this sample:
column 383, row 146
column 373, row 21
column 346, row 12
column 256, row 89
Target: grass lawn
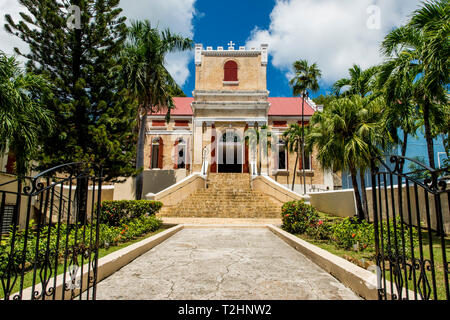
column 28, row 277
column 366, row 258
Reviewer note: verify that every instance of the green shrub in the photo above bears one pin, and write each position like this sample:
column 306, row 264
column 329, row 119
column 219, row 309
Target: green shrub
column 116, row 213
column 350, row 232
column 69, row 235
column 297, row 216
column 396, row 247
column 111, row 235
column 320, row 231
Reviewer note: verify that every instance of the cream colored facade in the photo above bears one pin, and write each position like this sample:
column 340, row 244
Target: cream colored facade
column 219, row 117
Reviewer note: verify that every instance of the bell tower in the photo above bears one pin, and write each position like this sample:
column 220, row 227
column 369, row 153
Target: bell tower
column 230, row 94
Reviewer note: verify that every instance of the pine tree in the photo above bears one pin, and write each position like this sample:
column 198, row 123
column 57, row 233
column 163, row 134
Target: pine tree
column 94, row 116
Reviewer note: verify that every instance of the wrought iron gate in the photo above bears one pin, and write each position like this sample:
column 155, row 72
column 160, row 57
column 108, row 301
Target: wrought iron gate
column 411, row 221
column 50, row 233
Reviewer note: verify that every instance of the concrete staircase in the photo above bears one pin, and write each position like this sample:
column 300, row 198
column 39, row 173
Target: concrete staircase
column 228, row 196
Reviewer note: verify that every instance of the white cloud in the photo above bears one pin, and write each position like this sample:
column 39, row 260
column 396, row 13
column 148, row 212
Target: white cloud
column 333, row 33
column 176, row 14
column 8, row 41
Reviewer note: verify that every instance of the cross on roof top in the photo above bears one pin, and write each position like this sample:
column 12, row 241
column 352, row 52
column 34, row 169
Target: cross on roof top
column 231, row 44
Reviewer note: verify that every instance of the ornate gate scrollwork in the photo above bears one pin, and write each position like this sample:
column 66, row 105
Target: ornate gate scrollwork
column 411, row 217
column 51, row 238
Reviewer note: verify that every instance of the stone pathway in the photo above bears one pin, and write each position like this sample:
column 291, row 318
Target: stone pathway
column 222, row 263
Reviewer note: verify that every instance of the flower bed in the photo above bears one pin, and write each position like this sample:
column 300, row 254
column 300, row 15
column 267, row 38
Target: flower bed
column 120, row 221
column 354, row 240
column 345, row 233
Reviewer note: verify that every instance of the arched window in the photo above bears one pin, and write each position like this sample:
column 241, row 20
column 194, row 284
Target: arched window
column 282, row 155
column 157, row 153
column 180, row 154
column 230, row 71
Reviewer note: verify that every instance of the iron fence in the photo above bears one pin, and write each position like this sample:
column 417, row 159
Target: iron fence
column 50, row 233
column 411, row 221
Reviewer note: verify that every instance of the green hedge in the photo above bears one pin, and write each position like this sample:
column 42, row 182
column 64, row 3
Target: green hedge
column 116, row 213
column 347, row 233
column 297, row 216
column 73, row 236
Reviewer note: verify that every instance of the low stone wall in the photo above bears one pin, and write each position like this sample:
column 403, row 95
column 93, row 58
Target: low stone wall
column 154, row 181
column 179, row 191
column 342, row 203
column 416, row 207
column 11, row 198
column 275, row 190
column 339, row 203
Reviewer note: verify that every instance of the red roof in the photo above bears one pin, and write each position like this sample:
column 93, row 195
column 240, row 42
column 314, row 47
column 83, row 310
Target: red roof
column 283, row 106
column 182, row 107
column 289, row 106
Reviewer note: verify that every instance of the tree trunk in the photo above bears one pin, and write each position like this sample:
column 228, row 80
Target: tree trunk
column 82, row 123
column 303, row 167
column 428, row 137
column 359, row 207
column 140, row 157
column 81, row 198
column 259, row 156
column 404, row 145
column 364, row 192
column 295, row 169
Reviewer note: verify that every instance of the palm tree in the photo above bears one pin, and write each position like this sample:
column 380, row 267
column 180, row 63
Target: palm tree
column 306, row 78
column 293, row 138
column 147, row 78
column 341, row 133
column 422, row 49
column 397, row 87
column 258, row 140
column 374, row 133
column 360, row 82
column 23, row 118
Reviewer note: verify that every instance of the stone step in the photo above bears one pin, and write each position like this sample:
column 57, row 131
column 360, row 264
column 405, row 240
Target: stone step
column 227, row 195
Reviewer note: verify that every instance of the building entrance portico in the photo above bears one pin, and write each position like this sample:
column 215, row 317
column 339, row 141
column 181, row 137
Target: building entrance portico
column 230, row 152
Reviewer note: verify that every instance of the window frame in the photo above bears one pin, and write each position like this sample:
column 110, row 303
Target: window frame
column 155, row 143
column 283, row 144
column 181, row 143
column 231, row 74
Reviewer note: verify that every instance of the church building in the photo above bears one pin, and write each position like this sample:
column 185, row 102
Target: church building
column 231, row 124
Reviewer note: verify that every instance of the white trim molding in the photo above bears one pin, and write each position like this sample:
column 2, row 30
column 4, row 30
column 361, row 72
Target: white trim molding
column 162, row 132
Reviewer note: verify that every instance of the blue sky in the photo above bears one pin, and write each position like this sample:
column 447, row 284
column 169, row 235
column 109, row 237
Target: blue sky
column 333, row 33
column 222, row 23
column 250, row 21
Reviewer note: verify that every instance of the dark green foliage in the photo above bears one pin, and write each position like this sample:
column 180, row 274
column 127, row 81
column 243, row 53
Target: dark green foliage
column 24, row 117
column 321, row 230
column 112, row 235
column 324, row 100
column 115, row 213
column 95, row 118
column 297, row 216
column 349, row 232
column 145, row 76
column 79, row 238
